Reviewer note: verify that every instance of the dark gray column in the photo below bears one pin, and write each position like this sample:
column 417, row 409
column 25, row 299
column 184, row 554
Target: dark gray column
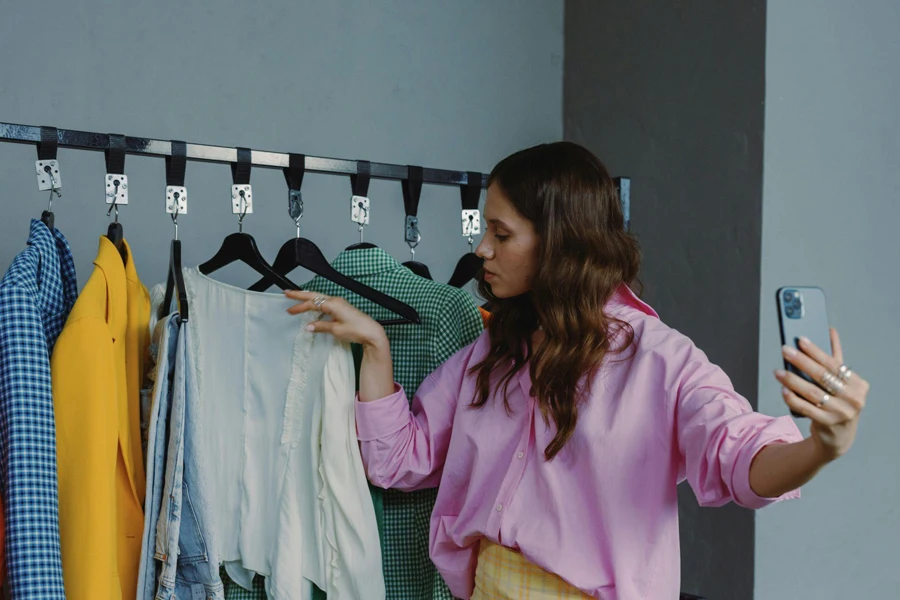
column 671, row 94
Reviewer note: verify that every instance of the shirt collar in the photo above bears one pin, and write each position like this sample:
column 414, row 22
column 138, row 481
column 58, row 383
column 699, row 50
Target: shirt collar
column 365, row 261
column 66, row 268
column 56, row 274
column 624, row 296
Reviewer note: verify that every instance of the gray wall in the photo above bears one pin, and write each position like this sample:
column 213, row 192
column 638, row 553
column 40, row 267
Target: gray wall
column 671, row 94
column 452, row 85
column 831, row 214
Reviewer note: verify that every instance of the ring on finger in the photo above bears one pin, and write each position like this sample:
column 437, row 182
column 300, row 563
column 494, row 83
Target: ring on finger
column 319, row 301
column 844, row 373
column 831, row 383
column 823, row 401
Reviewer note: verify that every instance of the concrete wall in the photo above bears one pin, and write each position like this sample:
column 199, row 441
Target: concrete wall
column 455, row 86
column 830, row 218
column 671, row 94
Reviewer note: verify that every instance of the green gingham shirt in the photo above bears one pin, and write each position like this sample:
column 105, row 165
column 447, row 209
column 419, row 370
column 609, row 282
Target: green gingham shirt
column 450, row 320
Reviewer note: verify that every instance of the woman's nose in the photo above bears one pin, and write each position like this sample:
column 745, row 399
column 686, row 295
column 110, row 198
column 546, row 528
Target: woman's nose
column 484, row 250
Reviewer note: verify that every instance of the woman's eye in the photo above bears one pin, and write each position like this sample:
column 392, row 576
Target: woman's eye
column 501, row 238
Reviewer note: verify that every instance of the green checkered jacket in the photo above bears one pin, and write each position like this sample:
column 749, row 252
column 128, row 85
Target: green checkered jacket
column 450, row 320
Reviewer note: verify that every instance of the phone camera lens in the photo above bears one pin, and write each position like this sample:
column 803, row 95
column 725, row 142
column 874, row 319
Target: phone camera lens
column 796, row 303
column 789, row 311
column 788, row 296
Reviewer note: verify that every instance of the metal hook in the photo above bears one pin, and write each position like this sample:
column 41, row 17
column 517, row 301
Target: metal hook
column 365, row 210
column 115, row 203
column 174, row 215
column 295, row 208
column 469, row 227
column 53, row 189
column 412, row 246
column 243, row 212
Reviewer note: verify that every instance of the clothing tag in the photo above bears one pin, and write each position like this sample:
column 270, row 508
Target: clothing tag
column 197, row 592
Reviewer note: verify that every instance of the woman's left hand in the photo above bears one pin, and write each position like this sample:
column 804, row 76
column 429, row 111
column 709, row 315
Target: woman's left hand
column 835, row 407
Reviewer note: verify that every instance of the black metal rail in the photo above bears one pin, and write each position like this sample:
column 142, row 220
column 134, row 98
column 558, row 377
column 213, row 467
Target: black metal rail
column 99, row 142
column 86, row 140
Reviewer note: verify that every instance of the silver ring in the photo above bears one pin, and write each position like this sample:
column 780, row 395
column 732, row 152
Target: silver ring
column 831, row 383
column 823, row 401
column 844, row 373
column 319, row 301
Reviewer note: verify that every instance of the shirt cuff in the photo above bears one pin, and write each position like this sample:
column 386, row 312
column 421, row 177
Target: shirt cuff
column 781, row 430
column 380, row 418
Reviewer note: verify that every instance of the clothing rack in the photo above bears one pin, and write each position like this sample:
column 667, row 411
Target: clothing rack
column 139, row 146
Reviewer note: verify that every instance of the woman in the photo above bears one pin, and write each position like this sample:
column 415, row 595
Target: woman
column 559, row 436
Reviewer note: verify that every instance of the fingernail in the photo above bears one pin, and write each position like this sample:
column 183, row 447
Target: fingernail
column 804, row 341
column 789, row 350
column 310, row 327
column 779, row 373
column 785, row 391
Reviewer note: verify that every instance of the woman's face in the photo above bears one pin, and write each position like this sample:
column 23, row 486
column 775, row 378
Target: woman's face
column 509, row 247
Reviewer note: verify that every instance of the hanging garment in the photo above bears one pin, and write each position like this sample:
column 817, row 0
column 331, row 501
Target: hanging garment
column 603, row 514
column 485, row 315
column 97, row 370
column 161, row 531
column 36, row 295
column 450, row 320
column 270, row 406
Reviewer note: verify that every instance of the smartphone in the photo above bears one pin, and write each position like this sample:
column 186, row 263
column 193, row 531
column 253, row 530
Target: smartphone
column 802, row 313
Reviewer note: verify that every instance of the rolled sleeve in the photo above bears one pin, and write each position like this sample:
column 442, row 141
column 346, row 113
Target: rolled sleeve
column 719, row 434
column 781, row 430
column 381, row 418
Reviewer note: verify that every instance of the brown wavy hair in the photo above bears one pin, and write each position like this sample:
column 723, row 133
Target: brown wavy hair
column 584, row 254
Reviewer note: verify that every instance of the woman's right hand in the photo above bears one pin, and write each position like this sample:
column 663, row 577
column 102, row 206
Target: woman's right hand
column 347, row 324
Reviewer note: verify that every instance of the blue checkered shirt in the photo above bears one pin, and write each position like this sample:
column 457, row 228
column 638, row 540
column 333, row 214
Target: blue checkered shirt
column 36, row 296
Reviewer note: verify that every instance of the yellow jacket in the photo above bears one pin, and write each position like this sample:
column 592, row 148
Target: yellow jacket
column 97, row 369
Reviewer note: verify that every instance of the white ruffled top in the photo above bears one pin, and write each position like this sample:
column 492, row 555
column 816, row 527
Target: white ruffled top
column 288, row 493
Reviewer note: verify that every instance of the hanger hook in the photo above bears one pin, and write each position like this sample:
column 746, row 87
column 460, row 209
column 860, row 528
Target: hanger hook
column 243, row 212
column 115, row 202
column 471, row 245
column 412, row 246
column 53, row 189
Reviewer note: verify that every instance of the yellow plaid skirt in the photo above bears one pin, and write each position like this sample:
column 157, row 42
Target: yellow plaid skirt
column 504, row 574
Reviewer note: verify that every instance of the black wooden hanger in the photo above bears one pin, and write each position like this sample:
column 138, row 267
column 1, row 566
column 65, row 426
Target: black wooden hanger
column 241, row 246
column 117, row 186
column 412, row 191
column 46, row 150
column 301, row 252
column 360, row 185
column 470, row 264
column 175, row 199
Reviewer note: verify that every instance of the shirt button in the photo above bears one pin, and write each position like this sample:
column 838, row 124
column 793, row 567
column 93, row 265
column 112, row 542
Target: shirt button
column 499, row 507
column 520, row 455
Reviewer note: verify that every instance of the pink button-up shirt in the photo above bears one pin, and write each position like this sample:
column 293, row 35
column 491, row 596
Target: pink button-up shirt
column 603, row 514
